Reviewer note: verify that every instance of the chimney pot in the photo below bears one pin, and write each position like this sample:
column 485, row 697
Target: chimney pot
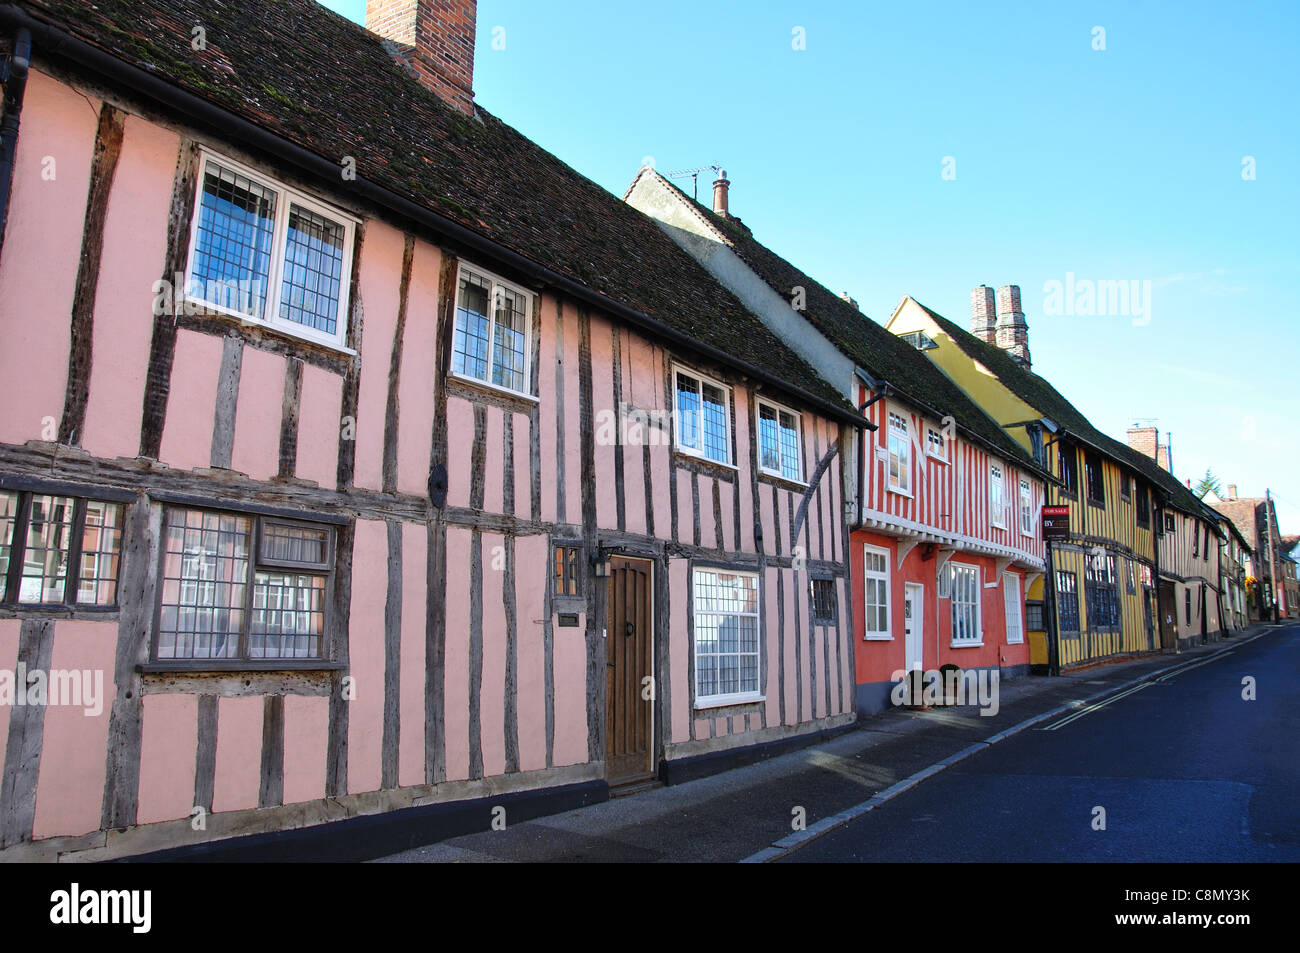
column 435, row 40
column 982, row 315
column 721, row 189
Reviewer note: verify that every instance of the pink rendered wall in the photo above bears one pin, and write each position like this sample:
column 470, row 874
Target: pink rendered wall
column 492, row 695
column 456, row 654
column 38, row 272
column 366, row 655
column 523, row 468
column 572, row 433
column 70, row 784
column 239, row 753
column 570, row 665
column 379, row 284
column 319, row 426
column 135, row 236
column 493, row 457
column 602, row 400
column 679, row 649
column 772, row 686
column 547, row 421
column 410, row 752
column 418, row 371
column 257, row 414
column 460, row 431
column 191, row 404
column 167, row 751
column 531, row 579
column 306, row 743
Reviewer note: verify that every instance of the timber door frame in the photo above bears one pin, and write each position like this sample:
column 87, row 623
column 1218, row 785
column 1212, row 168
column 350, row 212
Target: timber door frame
column 652, row 729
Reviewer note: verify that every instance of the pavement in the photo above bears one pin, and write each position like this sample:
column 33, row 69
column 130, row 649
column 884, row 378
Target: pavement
column 769, row 810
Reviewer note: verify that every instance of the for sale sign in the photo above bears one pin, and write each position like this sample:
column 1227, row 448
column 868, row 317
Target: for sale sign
column 1056, row 522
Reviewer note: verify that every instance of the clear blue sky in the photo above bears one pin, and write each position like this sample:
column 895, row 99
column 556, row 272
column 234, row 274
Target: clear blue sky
column 1117, row 164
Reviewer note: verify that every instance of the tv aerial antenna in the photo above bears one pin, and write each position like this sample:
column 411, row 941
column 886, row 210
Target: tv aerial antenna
column 695, row 176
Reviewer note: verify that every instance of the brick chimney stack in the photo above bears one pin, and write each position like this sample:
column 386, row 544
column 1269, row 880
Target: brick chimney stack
column 1232, row 491
column 434, row 38
column 982, row 316
column 1012, row 329
column 1146, row 441
column 721, row 194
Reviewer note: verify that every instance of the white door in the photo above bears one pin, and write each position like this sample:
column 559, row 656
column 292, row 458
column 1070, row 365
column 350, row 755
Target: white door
column 1011, row 601
column 913, row 625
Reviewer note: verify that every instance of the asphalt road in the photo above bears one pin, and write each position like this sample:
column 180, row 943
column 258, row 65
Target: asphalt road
column 1184, row 768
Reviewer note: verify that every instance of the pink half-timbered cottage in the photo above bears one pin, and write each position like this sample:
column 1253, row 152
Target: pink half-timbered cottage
column 944, row 507
column 382, row 469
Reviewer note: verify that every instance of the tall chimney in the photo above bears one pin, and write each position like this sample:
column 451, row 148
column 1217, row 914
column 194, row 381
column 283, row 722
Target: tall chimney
column 721, row 187
column 982, row 317
column 1012, row 329
column 1143, row 440
column 1232, row 491
column 435, row 39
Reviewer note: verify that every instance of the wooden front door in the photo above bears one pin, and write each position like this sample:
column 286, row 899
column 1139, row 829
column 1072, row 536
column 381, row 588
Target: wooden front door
column 1168, row 617
column 629, row 689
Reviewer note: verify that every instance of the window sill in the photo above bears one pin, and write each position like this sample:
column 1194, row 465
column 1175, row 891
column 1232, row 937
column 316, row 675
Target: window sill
column 492, row 388
column 775, row 479
column 898, row 492
column 684, row 455
column 196, row 666
column 936, row 457
column 729, row 701
column 877, row 637
column 194, row 307
column 966, row 645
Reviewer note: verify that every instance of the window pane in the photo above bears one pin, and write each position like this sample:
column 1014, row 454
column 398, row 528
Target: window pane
column 768, row 442
column 45, row 560
column 715, row 424
column 790, row 465
column 232, row 249
column 469, row 353
column 205, row 574
column 294, row 544
column 726, row 633
column 313, row 270
column 101, row 546
column 508, row 343
column 8, row 515
column 688, row 411
column 288, row 618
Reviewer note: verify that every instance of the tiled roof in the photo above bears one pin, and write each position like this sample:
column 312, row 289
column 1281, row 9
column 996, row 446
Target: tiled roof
column 880, row 353
column 327, row 85
column 1048, row 401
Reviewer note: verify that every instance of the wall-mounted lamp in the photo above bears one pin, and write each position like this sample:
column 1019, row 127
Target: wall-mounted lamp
column 600, row 564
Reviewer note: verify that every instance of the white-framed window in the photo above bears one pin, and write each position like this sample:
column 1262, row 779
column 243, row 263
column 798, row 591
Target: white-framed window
column 702, row 411
column 779, row 441
column 1026, row 508
column 727, row 656
column 965, row 589
column 997, row 496
column 935, row 444
column 1011, row 605
column 269, row 254
column 900, row 454
column 875, row 588
column 490, row 343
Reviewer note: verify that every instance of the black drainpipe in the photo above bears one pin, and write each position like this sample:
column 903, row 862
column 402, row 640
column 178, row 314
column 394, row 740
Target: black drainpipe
column 14, row 74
